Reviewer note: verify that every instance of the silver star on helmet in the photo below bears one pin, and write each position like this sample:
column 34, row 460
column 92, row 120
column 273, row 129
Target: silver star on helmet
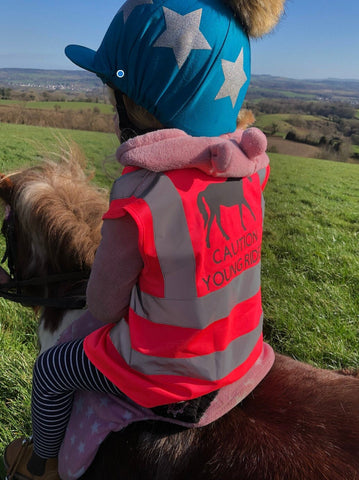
column 128, row 7
column 234, row 79
column 182, row 34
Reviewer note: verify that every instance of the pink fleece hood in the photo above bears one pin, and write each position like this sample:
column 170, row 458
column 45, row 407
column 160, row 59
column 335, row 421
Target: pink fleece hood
column 238, row 154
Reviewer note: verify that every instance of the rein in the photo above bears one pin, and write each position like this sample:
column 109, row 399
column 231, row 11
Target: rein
column 13, row 290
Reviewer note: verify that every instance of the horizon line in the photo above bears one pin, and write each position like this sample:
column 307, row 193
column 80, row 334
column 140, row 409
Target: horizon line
column 78, row 70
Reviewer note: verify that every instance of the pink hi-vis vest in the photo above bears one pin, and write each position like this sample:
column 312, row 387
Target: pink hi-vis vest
column 195, row 318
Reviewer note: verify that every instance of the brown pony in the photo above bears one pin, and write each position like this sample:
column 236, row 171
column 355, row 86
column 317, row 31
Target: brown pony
column 300, row 423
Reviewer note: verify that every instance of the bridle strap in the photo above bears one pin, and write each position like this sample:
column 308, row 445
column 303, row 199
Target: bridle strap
column 47, row 279
column 12, row 291
column 128, row 129
column 63, row 303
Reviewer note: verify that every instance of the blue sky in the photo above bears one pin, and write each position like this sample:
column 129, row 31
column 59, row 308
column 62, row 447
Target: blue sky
column 315, row 39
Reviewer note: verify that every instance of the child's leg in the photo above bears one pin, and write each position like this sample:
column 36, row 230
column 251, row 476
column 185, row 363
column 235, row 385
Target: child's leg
column 58, row 372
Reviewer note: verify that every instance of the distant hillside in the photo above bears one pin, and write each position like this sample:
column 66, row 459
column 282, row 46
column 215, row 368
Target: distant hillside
column 262, row 86
column 73, row 80
column 266, row 86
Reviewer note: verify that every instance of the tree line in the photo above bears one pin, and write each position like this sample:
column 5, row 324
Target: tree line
column 318, row 108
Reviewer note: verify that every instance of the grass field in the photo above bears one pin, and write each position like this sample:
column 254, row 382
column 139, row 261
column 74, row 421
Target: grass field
column 283, row 122
column 310, row 264
column 258, row 91
column 311, row 260
column 102, row 107
column 26, row 145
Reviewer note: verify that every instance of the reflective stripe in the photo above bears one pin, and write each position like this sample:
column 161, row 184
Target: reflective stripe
column 179, row 270
column 263, row 205
column 133, row 183
column 173, row 246
column 262, row 173
column 212, row 367
column 198, row 312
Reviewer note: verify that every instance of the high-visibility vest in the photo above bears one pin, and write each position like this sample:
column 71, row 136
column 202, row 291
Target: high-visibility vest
column 195, row 317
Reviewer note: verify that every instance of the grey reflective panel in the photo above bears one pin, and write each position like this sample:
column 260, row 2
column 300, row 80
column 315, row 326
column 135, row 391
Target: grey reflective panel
column 262, row 175
column 133, row 183
column 172, row 240
column 263, row 207
column 120, row 336
column 198, row 312
column 210, row 367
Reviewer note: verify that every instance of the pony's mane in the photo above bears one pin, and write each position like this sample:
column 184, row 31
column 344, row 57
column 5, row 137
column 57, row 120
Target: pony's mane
column 62, row 210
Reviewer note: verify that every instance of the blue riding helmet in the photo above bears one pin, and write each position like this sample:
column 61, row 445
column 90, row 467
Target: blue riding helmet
column 186, row 61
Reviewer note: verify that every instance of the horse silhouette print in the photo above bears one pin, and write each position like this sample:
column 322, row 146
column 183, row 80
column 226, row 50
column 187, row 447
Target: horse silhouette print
column 226, row 194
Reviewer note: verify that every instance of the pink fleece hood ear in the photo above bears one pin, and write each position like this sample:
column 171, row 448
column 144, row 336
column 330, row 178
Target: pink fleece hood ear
column 239, row 154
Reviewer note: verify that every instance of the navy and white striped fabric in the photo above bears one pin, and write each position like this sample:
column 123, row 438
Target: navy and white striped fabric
column 58, row 372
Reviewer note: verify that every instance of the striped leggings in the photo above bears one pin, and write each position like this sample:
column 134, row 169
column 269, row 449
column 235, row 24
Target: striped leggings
column 58, row 373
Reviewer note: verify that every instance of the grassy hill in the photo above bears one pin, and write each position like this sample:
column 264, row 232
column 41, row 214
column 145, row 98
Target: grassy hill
column 26, row 145
column 284, row 121
column 265, row 86
column 57, row 105
column 311, row 260
column 310, row 264
column 321, row 114
column 315, row 135
column 73, row 80
column 331, row 89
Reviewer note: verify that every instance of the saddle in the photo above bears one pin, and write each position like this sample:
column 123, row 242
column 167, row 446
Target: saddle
column 95, row 415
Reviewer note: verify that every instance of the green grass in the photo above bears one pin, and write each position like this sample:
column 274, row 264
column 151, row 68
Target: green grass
column 283, row 122
column 26, row 145
column 265, row 120
column 311, row 260
column 310, row 264
column 18, row 348
column 102, row 107
column 282, row 93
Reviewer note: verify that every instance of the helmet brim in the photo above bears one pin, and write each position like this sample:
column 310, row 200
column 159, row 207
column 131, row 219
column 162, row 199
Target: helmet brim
column 82, row 57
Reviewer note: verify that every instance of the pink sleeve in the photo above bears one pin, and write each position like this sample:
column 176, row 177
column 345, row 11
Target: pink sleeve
column 116, row 268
